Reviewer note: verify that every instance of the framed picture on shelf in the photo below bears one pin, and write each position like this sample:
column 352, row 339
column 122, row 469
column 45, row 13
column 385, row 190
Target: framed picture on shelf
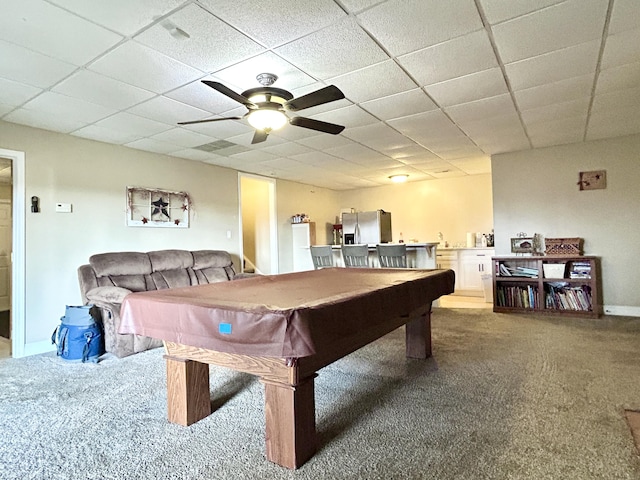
column 522, row 245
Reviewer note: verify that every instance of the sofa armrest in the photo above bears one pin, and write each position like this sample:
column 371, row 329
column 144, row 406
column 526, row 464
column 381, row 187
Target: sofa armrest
column 107, row 295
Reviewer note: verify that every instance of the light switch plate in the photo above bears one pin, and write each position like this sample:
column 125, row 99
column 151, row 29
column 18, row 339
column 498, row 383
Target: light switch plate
column 63, row 207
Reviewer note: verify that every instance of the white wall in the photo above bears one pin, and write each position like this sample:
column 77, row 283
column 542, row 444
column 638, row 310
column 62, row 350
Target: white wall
column 420, row 210
column 536, row 191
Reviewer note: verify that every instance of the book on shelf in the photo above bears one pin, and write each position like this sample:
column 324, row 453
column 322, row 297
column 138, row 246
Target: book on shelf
column 506, row 271
column 580, row 269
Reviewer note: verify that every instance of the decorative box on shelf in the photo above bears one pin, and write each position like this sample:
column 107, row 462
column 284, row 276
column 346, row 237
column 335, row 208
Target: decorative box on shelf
column 563, row 247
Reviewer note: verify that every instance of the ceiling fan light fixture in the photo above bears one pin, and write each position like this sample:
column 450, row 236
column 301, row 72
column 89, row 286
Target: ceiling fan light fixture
column 399, row 178
column 267, row 119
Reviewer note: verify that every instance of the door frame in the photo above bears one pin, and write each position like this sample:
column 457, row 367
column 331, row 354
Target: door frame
column 273, row 219
column 18, row 323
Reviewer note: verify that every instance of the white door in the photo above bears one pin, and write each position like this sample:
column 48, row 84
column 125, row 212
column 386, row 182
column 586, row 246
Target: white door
column 5, row 255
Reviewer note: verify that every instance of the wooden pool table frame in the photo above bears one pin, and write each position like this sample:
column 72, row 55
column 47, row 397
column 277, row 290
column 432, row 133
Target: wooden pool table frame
column 290, row 432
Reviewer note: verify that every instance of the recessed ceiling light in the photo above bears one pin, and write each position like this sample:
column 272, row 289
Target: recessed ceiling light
column 399, row 178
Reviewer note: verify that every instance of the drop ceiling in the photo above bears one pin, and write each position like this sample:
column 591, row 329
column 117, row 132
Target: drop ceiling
column 433, row 88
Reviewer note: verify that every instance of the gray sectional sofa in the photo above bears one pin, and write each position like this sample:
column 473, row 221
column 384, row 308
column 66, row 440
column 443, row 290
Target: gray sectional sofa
column 109, row 277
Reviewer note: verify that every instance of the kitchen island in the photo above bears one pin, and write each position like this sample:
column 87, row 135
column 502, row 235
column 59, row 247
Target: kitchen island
column 419, row 255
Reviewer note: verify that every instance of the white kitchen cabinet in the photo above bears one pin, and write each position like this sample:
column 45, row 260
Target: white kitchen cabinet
column 448, row 260
column 473, row 263
column 303, row 236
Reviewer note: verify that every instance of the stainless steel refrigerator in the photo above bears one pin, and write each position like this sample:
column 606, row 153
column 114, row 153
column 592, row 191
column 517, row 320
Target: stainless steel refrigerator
column 366, row 227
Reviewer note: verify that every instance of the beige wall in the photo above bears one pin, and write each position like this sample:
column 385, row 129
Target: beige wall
column 420, row 210
column 321, row 204
column 93, row 177
column 256, row 227
column 536, row 192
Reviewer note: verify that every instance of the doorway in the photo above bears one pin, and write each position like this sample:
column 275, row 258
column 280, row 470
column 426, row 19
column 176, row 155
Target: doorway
column 258, row 224
column 5, row 257
column 12, row 252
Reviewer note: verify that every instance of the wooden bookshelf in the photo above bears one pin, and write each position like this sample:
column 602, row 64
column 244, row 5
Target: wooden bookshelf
column 547, row 285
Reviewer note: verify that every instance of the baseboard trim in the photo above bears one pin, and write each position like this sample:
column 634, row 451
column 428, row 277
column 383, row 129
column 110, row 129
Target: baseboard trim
column 622, row 310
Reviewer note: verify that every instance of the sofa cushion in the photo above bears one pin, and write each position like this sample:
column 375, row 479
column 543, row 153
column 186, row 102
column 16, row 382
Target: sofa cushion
column 120, row 263
column 179, row 277
column 211, row 275
column 135, row 283
column 211, row 259
column 170, row 260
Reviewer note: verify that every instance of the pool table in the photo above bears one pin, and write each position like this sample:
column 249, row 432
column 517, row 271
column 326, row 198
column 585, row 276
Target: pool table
column 283, row 329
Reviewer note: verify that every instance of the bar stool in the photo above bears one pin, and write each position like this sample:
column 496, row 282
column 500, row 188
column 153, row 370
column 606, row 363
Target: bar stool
column 392, row 256
column 355, row 255
column 321, row 256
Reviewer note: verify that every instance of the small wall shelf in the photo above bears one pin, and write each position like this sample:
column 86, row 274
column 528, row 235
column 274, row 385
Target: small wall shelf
column 547, row 285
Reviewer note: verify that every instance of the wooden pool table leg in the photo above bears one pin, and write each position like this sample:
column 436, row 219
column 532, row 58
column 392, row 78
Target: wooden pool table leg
column 418, row 336
column 188, row 397
column 290, row 432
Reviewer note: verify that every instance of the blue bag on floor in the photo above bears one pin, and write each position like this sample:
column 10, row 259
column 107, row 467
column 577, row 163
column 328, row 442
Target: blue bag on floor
column 79, row 335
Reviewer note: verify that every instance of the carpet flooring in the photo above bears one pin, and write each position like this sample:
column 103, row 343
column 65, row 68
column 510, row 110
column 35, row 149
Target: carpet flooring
column 504, row 397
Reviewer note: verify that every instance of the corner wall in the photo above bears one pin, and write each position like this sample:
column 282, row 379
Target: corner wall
column 536, row 191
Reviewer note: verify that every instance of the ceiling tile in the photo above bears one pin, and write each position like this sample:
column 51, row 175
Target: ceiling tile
column 145, row 68
column 551, row 67
column 200, row 95
column 428, row 125
column 123, row 16
column 377, row 136
column 473, row 166
column 5, row 108
column 14, row 93
column 495, row 143
column 183, row 138
column 616, row 100
column 133, row 124
column 356, row 153
column 613, row 123
column 487, row 83
column 281, row 21
column 45, row 120
column 356, row 6
column 400, row 104
column 151, row 145
column 549, row 93
column 480, row 109
column 96, row 88
column 362, row 85
column 227, row 128
column 421, row 23
column 322, row 53
column 498, row 10
column 108, row 135
column 624, row 16
column 323, row 141
column 352, row 116
column 24, row 66
column 67, row 107
column 286, row 149
column 206, row 34
column 557, row 132
column 556, row 111
column 473, row 53
column 507, row 124
column 243, row 75
column 47, row 29
column 169, row 111
column 562, row 25
column 618, row 78
column 617, row 51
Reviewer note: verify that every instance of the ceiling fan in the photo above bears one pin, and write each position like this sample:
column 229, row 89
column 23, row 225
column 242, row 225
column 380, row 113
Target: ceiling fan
column 266, row 107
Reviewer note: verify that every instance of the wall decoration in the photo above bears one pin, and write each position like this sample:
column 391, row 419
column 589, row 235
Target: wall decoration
column 151, row 207
column 522, row 245
column 593, row 180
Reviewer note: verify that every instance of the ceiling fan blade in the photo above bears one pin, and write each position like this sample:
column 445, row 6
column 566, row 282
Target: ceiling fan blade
column 209, row 120
column 324, row 95
column 325, row 127
column 229, row 93
column 259, row 136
